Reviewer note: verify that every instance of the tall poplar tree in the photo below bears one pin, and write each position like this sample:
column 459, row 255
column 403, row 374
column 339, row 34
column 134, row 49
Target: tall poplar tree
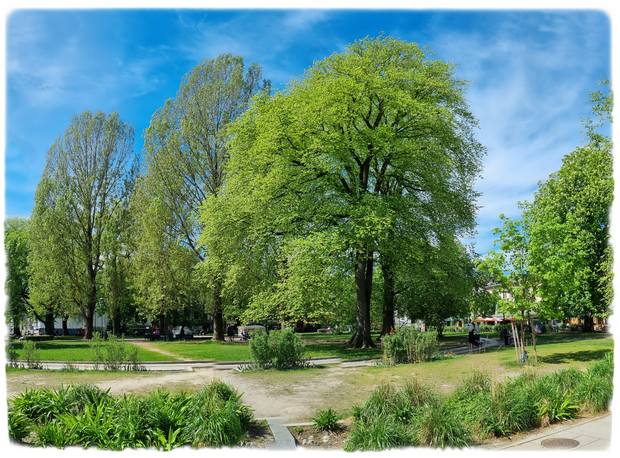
column 88, row 178
column 186, row 154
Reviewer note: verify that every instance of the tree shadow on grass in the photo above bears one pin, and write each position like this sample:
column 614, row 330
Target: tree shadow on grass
column 584, row 355
column 54, row 346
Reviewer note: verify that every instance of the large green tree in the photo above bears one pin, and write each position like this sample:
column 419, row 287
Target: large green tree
column 16, row 246
column 372, row 139
column 88, row 178
column 439, row 286
column 569, row 224
column 186, row 154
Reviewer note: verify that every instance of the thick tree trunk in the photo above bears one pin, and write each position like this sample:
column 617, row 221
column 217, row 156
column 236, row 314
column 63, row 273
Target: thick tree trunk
column 218, row 314
column 588, row 323
column 440, row 327
column 363, row 285
column 17, row 332
column 49, row 324
column 116, row 324
column 387, row 326
column 65, row 329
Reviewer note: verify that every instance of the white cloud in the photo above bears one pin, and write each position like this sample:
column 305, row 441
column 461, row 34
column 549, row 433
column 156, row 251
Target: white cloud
column 529, row 100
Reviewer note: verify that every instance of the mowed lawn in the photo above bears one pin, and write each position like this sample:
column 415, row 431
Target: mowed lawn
column 227, row 351
column 443, row 375
column 77, row 350
column 317, row 346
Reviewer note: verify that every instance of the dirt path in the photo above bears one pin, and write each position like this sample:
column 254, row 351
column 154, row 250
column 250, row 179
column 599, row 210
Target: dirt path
column 155, row 349
column 288, row 398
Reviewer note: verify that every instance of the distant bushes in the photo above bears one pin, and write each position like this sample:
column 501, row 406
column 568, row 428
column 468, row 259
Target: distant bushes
column 414, row 415
column 90, row 417
column 30, row 358
column 114, row 354
column 277, row 349
column 408, row 345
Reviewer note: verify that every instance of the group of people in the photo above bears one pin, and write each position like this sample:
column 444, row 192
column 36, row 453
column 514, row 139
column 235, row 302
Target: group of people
column 473, row 334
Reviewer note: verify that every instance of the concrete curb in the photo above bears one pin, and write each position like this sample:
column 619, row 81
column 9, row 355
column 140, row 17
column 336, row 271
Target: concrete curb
column 283, row 439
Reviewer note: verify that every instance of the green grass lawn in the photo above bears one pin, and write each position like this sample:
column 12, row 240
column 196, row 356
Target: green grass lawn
column 77, row 350
column 317, row 346
column 241, row 351
column 444, row 375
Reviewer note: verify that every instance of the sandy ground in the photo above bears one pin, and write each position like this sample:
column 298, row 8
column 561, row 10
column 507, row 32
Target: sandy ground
column 280, row 399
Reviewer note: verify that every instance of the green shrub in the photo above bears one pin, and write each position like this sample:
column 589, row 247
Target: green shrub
column 385, row 433
column 326, row 420
column 413, row 414
column 277, row 349
column 471, row 402
column 440, row 427
column 217, row 417
column 389, row 417
column 595, row 391
column 554, row 395
column 513, row 407
column 87, row 416
column 114, row 353
column 31, row 355
column 408, row 345
column 55, row 434
column 19, row 426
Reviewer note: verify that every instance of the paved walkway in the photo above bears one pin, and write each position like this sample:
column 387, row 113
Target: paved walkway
column 589, row 434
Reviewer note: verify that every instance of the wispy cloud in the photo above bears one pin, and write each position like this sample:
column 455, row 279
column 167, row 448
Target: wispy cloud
column 530, row 77
column 265, row 37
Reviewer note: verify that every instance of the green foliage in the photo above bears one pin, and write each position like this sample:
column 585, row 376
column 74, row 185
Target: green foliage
column 16, row 247
column 88, row 416
column 389, row 418
column 31, row 356
column 277, row 349
column 19, row 425
column 373, row 149
column 326, row 420
column 186, row 153
column 88, row 179
column 408, row 345
column 379, row 435
column 440, row 428
column 114, row 353
column 595, row 391
column 569, row 221
column 414, row 415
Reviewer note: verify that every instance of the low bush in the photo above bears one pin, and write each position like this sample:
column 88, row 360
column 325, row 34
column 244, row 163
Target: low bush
column 408, row 345
column 379, row 435
column 114, row 353
column 326, row 420
column 414, row 415
column 32, row 359
column 595, row 391
column 278, row 349
column 389, row 417
column 438, row 427
column 87, row 416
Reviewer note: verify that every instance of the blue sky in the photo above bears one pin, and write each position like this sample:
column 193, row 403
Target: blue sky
column 529, row 76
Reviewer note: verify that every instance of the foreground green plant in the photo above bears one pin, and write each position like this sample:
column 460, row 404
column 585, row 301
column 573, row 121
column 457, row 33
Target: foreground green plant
column 326, row 420
column 87, row 416
column 414, row 415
